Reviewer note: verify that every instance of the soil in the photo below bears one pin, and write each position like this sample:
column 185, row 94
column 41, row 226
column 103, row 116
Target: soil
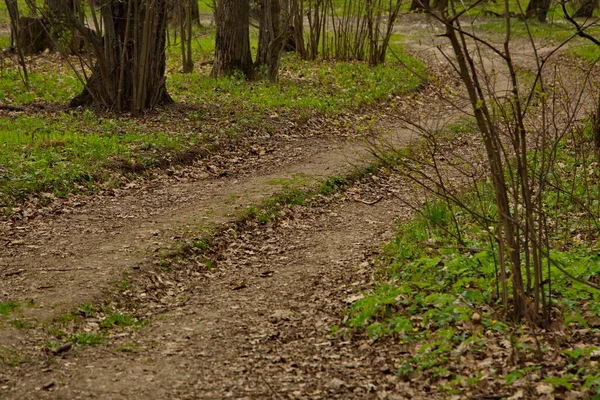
column 257, row 324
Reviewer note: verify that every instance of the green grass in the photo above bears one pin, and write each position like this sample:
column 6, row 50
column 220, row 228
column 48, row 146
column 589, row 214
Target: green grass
column 9, row 307
column 62, row 152
column 10, row 356
column 304, row 87
column 586, row 51
column 43, row 87
column 87, row 338
column 120, row 320
column 68, row 326
column 439, row 297
column 75, row 151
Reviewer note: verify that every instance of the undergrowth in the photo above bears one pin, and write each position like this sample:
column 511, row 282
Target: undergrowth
column 437, row 296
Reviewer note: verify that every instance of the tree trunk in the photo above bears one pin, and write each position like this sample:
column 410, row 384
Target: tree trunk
column 274, row 35
column 129, row 74
column 263, row 34
column 195, row 12
column 297, row 11
column 419, row 5
column 596, row 126
column 279, row 33
column 185, row 21
column 232, row 44
column 587, row 9
column 537, row 8
column 32, row 36
column 15, row 29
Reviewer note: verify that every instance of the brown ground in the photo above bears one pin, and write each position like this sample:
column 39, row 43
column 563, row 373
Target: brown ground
column 256, row 326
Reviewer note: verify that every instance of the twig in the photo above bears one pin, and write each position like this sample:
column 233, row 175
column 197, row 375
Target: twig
column 269, row 386
column 18, row 272
column 11, row 108
column 370, row 203
column 66, row 269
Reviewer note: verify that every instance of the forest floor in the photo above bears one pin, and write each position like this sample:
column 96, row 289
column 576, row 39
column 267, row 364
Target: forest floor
column 226, row 305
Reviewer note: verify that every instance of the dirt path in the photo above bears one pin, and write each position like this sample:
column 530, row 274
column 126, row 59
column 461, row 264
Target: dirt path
column 269, row 339
column 251, row 342
column 69, row 259
column 257, row 326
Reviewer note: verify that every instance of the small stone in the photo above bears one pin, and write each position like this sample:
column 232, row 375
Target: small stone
column 280, row 315
column 336, row 384
column 476, row 317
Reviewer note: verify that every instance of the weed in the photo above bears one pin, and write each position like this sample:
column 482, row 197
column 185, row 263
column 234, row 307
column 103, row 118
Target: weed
column 20, row 324
column 10, row 357
column 120, row 320
column 331, row 185
column 201, row 245
column 123, row 285
column 434, row 288
column 9, row 307
column 87, row 310
column 87, row 338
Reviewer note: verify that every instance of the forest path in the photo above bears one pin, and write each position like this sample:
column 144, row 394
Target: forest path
column 293, row 280
column 256, row 326
column 68, row 259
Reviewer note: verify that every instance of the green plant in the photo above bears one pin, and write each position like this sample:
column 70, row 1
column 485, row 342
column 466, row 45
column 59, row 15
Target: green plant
column 120, row 320
column 9, row 307
column 20, row 324
column 331, row 185
column 201, row 245
column 87, row 338
column 87, row 310
column 10, row 356
column 123, row 285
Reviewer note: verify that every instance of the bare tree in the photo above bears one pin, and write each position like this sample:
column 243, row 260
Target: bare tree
column 520, row 125
column 15, row 29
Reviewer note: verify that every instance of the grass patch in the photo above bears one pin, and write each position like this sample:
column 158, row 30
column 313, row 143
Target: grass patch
column 87, row 338
column 74, row 326
column 9, row 307
column 57, row 153
column 588, row 52
column 120, row 320
column 305, row 86
column 10, row 357
column 76, row 151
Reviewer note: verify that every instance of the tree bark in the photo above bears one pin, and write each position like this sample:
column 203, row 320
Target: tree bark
column 538, row 9
column 232, row 43
column 129, row 74
column 263, row 34
column 419, row 5
column 185, row 21
column 274, row 34
column 16, row 30
column 587, row 9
